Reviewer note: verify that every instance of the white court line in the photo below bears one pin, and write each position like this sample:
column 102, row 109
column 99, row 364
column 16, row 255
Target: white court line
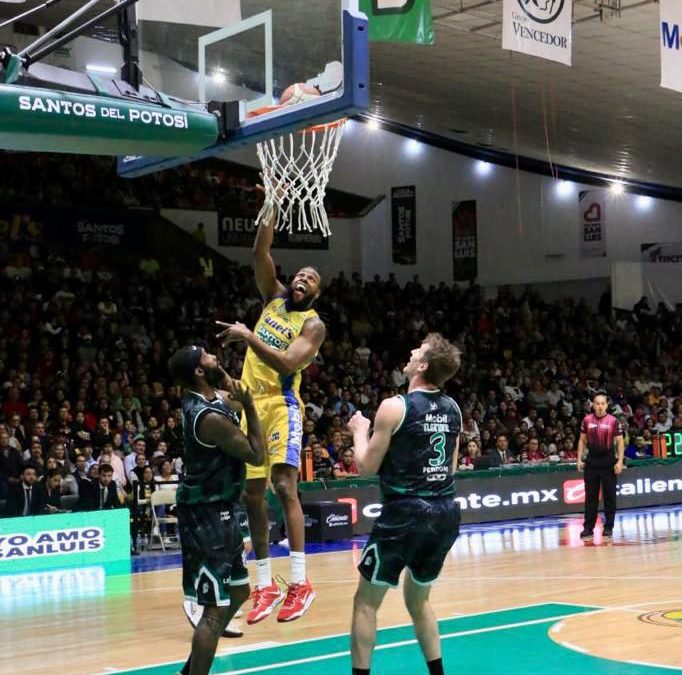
column 575, row 648
column 654, row 665
column 557, row 627
column 248, row 648
column 392, row 645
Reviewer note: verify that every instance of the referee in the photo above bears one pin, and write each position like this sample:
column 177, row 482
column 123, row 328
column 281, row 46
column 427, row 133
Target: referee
column 599, row 433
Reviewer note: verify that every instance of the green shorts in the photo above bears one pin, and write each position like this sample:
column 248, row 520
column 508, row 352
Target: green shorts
column 212, row 549
column 411, row 532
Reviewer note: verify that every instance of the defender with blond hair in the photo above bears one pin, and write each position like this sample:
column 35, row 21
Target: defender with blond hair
column 414, row 450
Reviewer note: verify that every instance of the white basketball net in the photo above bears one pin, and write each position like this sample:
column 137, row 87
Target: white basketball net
column 296, row 169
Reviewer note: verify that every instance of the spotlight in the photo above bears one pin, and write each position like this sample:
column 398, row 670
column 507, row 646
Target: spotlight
column 617, row 187
column 413, row 146
column 644, row 203
column 218, row 77
column 564, row 188
column 373, row 124
column 483, row 168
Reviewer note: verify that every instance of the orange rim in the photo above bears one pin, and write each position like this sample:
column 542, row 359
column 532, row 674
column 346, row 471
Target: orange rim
column 315, row 128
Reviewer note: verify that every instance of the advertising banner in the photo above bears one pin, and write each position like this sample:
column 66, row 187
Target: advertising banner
column 239, row 230
column 464, row 241
column 671, row 55
column 592, row 215
column 64, row 540
column 404, row 224
column 669, row 252
column 538, row 28
column 491, row 498
column 399, row 20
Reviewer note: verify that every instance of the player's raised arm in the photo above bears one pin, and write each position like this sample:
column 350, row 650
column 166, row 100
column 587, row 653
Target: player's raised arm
column 297, row 355
column 266, row 277
column 370, row 452
column 217, row 429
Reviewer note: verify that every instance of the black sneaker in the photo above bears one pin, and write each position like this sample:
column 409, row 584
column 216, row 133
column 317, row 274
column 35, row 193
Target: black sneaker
column 607, row 533
column 586, row 534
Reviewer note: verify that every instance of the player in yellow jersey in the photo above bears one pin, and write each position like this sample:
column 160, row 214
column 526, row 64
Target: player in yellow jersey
column 285, row 340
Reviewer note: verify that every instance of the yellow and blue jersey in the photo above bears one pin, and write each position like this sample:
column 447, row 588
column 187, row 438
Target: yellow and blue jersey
column 276, row 396
column 277, row 327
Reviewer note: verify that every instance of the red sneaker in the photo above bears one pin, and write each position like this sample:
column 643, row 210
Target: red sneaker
column 265, row 599
column 299, row 598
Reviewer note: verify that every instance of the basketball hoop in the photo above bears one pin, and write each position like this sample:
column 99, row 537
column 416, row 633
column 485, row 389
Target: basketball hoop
column 296, row 169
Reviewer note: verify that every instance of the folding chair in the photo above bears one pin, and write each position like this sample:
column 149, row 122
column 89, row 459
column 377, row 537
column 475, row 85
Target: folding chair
column 159, row 498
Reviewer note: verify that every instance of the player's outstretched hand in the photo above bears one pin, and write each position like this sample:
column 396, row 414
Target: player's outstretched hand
column 358, row 423
column 234, row 332
column 240, row 392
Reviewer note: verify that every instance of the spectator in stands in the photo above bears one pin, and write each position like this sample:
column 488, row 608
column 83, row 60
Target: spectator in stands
column 24, row 498
column 346, row 467
column 51, row 491
column 100, row 494
column 500, row 455
column 139, row 448
column 11, row 463
column 639, row 448
column 323, row 467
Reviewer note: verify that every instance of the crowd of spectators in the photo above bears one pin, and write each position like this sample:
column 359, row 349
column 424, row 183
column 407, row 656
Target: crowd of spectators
column 85, row 393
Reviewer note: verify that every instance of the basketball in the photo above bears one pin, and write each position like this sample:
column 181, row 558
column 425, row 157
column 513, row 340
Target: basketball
column 298, row 93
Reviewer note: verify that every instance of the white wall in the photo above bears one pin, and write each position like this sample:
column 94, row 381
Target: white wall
column 527, row 233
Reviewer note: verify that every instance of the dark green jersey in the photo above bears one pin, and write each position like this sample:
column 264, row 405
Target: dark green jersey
column 419, row 460
column 209, row 474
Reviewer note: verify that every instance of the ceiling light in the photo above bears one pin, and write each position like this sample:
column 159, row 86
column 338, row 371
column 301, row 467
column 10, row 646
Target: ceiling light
column 564, row 188
column 97, row 68
column 373, row 124
column 413, row 146
column 617, row 187
column 218, row 77
column 483, row 168
column 644, row 203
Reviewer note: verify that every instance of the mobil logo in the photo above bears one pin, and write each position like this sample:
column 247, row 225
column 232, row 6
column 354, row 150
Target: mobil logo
column 574, row 492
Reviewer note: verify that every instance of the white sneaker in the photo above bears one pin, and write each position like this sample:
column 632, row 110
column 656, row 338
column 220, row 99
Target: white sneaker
column 194, row 612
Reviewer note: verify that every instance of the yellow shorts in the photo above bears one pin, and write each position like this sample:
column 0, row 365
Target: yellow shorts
column 282, row 421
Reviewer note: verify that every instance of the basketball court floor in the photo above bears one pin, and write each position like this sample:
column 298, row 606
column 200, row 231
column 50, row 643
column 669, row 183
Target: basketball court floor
column 516, row 598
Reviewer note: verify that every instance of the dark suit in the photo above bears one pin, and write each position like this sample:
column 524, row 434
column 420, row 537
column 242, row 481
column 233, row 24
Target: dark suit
column 91, row 499
column 16, row 500
column 52, row 499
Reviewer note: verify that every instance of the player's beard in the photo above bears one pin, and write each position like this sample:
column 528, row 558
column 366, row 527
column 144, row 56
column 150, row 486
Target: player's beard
column 213, row 376
column 301, row 305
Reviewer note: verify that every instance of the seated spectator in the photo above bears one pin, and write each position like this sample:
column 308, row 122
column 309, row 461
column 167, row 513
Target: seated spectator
column 135, row 474
column 533, row 451
column 468, row 454
column 500, row 454
column 166, row 480
column 323, row 467
column 146, row 485
column 100, row 494
column 24, row 498
column 107, row 457
column 639, row 448
column 346, row 468
column 51, row 491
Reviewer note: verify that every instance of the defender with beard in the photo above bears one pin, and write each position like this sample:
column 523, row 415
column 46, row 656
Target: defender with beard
column 285, row 340
column 213, row 571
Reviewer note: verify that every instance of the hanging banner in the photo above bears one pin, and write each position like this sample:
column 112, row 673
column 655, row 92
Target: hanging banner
column 464, row 241
column 74, row 228
column 592, row 213
column 404, row 219
column 399, row 20
column 669, row 252
column 239, row 230
column 538, row 28
column 671, row 55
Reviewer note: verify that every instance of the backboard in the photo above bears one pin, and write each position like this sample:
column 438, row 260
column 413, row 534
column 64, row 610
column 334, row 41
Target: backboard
column 251, row 51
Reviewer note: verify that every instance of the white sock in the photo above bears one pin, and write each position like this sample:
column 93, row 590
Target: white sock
column 263, row 572
column 297, row 567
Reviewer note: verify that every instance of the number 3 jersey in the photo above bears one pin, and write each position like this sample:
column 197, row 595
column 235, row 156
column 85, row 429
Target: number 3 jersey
column 419, row 459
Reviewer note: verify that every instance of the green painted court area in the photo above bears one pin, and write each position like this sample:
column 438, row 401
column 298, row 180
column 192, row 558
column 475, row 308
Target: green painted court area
column 512, row 641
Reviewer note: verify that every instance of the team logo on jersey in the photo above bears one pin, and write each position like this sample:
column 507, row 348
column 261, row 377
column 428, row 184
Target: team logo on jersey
column 433, row 406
